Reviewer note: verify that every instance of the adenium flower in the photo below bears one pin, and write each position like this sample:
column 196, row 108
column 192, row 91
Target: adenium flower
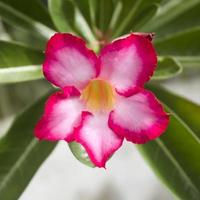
column 101, row 99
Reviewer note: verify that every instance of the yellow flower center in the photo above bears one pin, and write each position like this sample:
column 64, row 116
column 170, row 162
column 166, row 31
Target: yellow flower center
column 98, row 95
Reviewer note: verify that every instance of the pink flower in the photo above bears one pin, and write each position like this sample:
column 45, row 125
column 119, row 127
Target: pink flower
column 102, row 99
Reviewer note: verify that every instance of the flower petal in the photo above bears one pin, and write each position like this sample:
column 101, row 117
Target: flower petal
column 68, row 61
column 139, row 118
column 149, row 36
column 62, row 113
column 97, row 138
column 128, row 62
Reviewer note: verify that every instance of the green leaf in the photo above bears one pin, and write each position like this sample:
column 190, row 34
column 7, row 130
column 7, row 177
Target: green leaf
column 142, row 18
column 20, row 74
column 189, row 61
column 63, row 14
column 24, row 37
column 174, row 156
column 104, row 14
column 180, row 44
column 118, row 5
column 20, row 20
column 15, row 97
column 173, row 17
column 134, row 14
column 167, row 68
column 67, row 19
column 19, row 63
column 183, row 46
column 86, row 10
column 80, row 154
column 20, row 153
column 34, row 9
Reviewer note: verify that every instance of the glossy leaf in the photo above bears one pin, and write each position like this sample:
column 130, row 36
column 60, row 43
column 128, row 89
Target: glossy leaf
column 118, row 6
column 132, row 14
column 15, row 97
column 174, row 156
column 20, row 153
column 180, row 44
column 24, row 37
column 104, row 13
column 67, row 19
column 63, row 14
column 184, row 46
column 20, row 74
column 18, row 19
column 141, row 19
column 189, row 61
column 86, row 10
column 19, row 63
column 34, row 9
column 174, row 16
column 167, row 68
column 80, row 154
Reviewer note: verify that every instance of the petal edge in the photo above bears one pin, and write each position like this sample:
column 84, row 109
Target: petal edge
column 97, row 138
column 61, row 114
column 68, row 62
column 145, row 118
column 128, row 62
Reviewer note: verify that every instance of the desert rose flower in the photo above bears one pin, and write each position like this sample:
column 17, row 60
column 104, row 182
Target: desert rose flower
column 102, row 99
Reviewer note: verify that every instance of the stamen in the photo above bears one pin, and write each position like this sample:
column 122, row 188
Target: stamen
column 98, row 95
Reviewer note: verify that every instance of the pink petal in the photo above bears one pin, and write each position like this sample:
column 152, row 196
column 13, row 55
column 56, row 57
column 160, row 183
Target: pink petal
column 139, row 118
column 149, row 36
column 128, row 62
column 68, row 61
column 62, row 113
column 97, row 138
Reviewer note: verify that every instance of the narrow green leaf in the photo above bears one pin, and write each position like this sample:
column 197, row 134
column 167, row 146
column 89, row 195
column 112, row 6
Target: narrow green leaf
column 84, row 7
column 174, row 156
column 15, row 97
column 184, row 46
column 19, row 63
column 86, row 14
column 168, row 67
column 67, row 18
column 20, row 20
column 34, row 9
column 13, row 54
column 24, row 37
column 80, row 154
column 93, row 9
column 20, row 153
column 20, row 74
column 189, row 61
column 133, row 14
column 116, row 14
column 143, row 17
column 104, row 14
column 175, row 16
column 63, row 14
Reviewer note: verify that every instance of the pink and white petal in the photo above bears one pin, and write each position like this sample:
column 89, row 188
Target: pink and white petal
column 68, row 62
column 128, row 62
column 97, row 138
column 62, row 113
column 139, row 118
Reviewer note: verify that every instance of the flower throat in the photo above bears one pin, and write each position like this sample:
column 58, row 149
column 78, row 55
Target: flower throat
column 99, row 95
